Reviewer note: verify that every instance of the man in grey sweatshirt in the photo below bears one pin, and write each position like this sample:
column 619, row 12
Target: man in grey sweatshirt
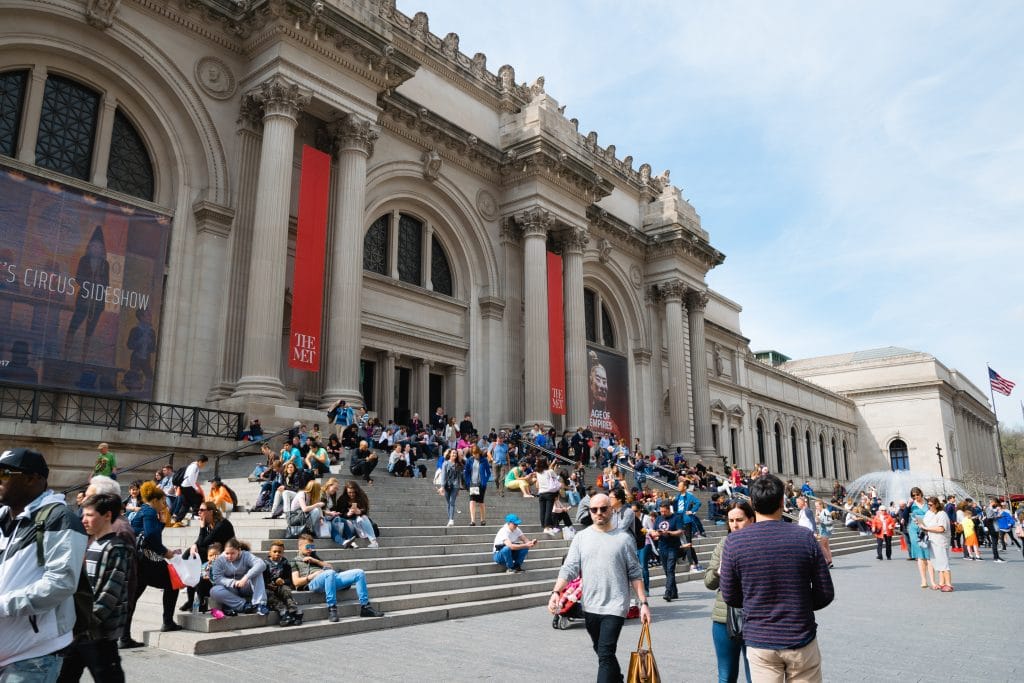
column 606, row 557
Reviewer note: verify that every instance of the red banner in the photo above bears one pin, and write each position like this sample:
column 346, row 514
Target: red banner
column 556, row 334
column 310, row 250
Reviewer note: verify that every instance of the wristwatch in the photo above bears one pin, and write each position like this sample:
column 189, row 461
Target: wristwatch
column 555, row 593
column 644, row 602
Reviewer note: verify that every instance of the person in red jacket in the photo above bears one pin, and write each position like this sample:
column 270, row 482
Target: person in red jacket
column 883, row 525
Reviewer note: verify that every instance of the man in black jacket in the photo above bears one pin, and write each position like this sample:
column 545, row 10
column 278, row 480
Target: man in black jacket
column 363, row 462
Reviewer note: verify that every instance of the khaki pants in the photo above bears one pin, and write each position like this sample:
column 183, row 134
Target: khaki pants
column 776, row 666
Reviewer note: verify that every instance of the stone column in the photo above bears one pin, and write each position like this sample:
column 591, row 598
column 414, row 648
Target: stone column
column 696, row 302
column 492, row 313
column 421, row 388
column 261, row 358
column 386, row 402
column 578, row 396
column 213, row 226
column 534, row 224
column 655, row 423
column 679, row 406
column 459, row 394
column 353, row 137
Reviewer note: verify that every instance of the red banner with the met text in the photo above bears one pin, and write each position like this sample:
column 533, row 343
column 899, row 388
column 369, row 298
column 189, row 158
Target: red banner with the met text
column 556, row 334
column 310, row 250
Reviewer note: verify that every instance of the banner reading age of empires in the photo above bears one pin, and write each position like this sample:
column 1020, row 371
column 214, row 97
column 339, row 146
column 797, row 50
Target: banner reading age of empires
column 608, row 386
column 81, row 284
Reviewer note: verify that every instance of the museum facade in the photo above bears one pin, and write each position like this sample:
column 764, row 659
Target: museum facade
column 469, row 225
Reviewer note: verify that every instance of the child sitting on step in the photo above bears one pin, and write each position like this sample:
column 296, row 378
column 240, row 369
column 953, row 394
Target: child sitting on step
column 277, row 577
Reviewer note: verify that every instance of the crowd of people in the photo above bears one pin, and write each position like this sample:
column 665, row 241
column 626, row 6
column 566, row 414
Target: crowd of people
column 622, row 522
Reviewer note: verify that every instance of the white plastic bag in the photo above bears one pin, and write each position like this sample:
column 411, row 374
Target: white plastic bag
column 189, row 570
column 325, row 529
column 568, row 533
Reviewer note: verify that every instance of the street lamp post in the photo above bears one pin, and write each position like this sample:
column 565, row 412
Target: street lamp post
column 938, row 452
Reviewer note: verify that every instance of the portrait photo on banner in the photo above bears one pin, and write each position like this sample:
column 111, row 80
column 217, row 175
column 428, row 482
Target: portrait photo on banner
column 81, row 287
column 608, row 386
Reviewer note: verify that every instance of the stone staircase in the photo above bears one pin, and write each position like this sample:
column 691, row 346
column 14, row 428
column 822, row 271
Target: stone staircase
column 422, row 572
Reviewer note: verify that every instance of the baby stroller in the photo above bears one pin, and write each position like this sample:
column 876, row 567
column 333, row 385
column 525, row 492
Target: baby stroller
column 570, row 605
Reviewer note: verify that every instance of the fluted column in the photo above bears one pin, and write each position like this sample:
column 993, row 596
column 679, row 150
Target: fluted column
column 421, row 388
column 679, row 405
column 696, row 302
column 534, row 224
column 353, row 139
column 261, row 359
column 578, row 397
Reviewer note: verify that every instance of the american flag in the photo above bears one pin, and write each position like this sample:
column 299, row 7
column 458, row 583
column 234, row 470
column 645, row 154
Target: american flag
column 1000, row 384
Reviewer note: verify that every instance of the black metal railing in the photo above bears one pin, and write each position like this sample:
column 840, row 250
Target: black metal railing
column 237, row 450
column 164, row 459
column 35, row 404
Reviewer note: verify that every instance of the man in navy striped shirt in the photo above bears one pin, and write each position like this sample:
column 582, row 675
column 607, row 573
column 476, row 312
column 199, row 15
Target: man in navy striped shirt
column 775, row 571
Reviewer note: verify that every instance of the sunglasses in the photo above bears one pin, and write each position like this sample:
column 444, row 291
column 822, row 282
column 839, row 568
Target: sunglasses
column 7, row 474
column 602, row 509
column 310, row 546
column 204, row 509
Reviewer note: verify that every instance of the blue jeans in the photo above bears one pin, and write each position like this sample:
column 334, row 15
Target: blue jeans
column 641, row 555
column 728, row 652
column 330, row 582
column 668, row 563
column 43, row 669
column 574, row 498
column 341, row 529
column 510, row 559
column 694, row 520
column 450, row 494
column 604, row 631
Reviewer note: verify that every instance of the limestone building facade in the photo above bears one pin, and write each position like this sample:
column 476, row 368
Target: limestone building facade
column 450, row 183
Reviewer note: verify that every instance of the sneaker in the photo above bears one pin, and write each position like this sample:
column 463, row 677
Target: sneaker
column 249, row 608
column 262, row 610
column 227, row 613
column 999, row 560
column 472, row 523
column 332, row 614
column 349, row 543
column 297, row 617
column 696, row 568
column 368, row 611
column 373, row 545
column 451, row 522
column 520, row 570
column 284, row 619
column 510, row 571
column 552, row 532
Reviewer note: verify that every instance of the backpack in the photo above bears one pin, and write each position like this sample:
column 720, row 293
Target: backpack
column 87, row 624
column 231, row 492
column 178, row 478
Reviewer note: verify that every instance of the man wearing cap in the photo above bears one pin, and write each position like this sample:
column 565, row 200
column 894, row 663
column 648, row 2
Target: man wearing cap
column 37, row 584
column 106, row 462
column 511, row 545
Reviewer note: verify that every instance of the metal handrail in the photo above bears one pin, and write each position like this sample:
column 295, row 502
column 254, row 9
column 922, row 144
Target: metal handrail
column 134, row 467
column 558, row 456
column 247, row 444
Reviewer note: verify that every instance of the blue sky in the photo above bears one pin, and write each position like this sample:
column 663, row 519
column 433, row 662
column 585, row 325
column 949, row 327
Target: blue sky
column 860, row 164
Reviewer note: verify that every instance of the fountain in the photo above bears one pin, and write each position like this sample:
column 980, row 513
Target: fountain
column 895, row 486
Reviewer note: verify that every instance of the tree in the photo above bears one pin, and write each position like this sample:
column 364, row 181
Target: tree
column 1013, row 454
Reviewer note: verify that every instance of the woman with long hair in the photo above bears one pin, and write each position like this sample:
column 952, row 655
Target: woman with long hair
column 148, row 526
column 307, row 509
column 358, row 510
column 920, row 551
column 214, row 529
column 343, row 532
column 738, row 514
column 823, row 522
column 451, row 479
column 287, row 486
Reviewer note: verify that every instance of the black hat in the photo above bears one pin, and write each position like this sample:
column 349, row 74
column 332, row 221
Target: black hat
column 25, row 460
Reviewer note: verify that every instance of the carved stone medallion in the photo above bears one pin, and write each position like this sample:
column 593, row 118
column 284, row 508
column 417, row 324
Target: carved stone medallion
column 214, row 78
column 487, row 205
column 635, row 276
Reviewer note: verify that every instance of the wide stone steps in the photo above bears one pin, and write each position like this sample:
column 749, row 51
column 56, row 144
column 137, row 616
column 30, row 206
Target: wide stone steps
column 424, row 571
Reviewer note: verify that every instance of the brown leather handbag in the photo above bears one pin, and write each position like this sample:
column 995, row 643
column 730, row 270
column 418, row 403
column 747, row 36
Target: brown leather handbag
column 642, row 668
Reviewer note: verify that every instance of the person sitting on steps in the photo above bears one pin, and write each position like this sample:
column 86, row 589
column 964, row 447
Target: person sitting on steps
column 363, row 462
column 318, row 576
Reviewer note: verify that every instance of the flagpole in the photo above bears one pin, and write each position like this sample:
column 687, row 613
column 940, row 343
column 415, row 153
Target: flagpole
column 999, row 436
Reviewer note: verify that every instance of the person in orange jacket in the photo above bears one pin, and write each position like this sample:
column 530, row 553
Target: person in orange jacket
column 883, row 525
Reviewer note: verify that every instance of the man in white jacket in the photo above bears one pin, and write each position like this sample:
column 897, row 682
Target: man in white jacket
column 37, row 583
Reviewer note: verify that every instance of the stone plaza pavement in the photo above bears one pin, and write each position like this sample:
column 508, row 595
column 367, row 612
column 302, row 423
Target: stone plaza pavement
column 881, row 627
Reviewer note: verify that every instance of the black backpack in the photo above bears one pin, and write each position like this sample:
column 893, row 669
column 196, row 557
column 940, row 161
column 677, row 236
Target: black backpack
column 178, row 478
column 231, row 492
column 87, row 624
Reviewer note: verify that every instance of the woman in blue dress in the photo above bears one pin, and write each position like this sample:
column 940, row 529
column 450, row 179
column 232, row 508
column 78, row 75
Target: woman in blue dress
column 918, row 509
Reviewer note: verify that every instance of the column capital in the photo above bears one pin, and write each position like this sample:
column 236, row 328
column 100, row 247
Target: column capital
column 696, row 300
column 671, row 291
column 534, row 222
column 575, row 240
column 642, row 355
column 352, row 132
column 277, row 96
column 492, row 307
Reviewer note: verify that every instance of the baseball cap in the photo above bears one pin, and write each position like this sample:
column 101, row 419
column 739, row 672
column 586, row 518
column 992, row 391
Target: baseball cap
column 25, row 460
column 514, row 519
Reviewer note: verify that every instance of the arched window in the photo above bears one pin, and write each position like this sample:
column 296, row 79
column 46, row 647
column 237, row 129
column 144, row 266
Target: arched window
column 67, row 133
column 821, row 455
column 898, row 458
column 760, row 441
column 440, row 271
column 778, row 448
column 375, row 247
column 810, row 457
column 67, row 127
column 129, row 169
column 412, row 259
column 792, row 446
column 597, row 319
column 12, row 98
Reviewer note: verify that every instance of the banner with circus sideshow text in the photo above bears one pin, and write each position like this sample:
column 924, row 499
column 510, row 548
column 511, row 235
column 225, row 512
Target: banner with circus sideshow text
column 608, row 384
column 81, row 288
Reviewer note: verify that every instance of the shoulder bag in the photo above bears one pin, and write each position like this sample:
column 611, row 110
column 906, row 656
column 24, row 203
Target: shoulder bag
column 734, row 622
column 642, row 667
